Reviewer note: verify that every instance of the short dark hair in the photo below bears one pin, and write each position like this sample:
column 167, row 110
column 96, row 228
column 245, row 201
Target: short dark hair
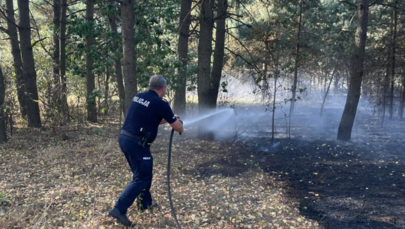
column 157, row 82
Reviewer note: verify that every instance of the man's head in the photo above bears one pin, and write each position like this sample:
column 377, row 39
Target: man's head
column 158, row 84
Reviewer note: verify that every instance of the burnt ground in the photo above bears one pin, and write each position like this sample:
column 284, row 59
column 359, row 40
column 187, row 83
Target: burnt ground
column 71, row 177
column 341, row 185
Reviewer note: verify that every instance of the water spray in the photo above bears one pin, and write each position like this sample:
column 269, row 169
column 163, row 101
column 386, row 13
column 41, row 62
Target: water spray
column 210, row 114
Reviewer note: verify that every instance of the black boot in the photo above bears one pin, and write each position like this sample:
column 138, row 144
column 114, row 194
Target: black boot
column 120, row 217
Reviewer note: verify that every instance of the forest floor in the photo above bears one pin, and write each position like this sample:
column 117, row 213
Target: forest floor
column 71, row 177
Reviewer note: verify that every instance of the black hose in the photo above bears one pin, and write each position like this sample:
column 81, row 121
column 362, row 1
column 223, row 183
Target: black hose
column 169, row 193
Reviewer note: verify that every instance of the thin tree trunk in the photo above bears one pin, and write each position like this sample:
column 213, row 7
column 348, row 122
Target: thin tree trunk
column 336, row 85
column 393, row 45
column 218, row 52
column 62, row 62
column 327, row 91
column 265, row 85
column 30, row 75
column 118, row 71
column 402, row 102
column 106, row 90
column 129, row 52
column 91, row 103
column 273, row 117
column 297, row 52
column 3, row 134
column 179, row 104
column 55, row 89
column 16, row 53
column 356, row 73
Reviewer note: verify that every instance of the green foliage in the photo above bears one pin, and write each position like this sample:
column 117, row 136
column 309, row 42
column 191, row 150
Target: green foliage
column 93, row 96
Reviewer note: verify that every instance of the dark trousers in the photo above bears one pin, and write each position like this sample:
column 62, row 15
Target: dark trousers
column 141, row 162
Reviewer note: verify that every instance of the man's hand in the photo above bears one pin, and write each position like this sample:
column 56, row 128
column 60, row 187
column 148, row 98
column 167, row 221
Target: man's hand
column 178, row 124
column 178, row 118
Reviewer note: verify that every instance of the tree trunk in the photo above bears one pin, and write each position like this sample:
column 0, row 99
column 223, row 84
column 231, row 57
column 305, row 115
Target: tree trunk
column 62, row 62
column 16, row 53
column 297, row 52
column 402, row 102
column 106, row 90
column 218, row 52
column 179, row 105
column 276, row 75
column 3, row 135
column 90, row 84
column 327, row 91
column 118, row 71
column 30, row 75
column 356, row 73
column 129, row 52
column 386, row 86
column 204, row 63
column 204, row 56
column 336, row 85
column 55, row 93
column 393, row 45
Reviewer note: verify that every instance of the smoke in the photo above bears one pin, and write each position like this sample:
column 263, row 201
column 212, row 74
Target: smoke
column 245, row 114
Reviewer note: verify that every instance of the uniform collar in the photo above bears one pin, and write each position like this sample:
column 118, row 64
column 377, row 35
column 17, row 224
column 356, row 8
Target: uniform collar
column 153, row 92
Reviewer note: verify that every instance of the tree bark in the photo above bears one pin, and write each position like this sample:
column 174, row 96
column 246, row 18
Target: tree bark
column 62, row 62
column 90, row 84
column 30, row 75
column 118, row 71
column 56, row 33
column 129, row 52
column 218, row 52
column 297, row 52
column 204, row 63
column 393, row 45
column 204, row 56
column 3, row 135
column 179, row 105
column 16, row 53
column 356, row 73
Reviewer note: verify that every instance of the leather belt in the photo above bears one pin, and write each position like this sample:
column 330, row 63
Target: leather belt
column 137, row 137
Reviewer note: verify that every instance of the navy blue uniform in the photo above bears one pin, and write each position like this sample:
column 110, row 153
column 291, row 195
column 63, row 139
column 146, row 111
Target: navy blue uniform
column 144, row 115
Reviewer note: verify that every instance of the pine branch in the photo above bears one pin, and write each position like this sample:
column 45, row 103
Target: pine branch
column 4, row 30
column 8, row 20
column 39, row 36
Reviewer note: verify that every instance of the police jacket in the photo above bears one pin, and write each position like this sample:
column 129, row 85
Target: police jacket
column 145, row 113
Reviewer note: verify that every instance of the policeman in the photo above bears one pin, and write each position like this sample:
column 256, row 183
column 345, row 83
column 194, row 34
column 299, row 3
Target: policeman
column 147, row 111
